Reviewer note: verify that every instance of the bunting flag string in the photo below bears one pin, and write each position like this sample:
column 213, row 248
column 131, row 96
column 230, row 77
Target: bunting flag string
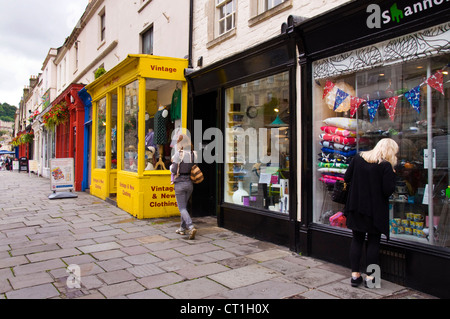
column 340, row 97
column 436, row 81
column 328, row 87
column 390, row 104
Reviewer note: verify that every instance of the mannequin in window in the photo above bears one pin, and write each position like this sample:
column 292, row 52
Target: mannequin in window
column 160, row 133
column 149, row 156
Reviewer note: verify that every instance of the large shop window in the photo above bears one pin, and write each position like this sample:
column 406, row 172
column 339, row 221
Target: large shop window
column 257, row 144
column 354, row 110
column 130, row 126
column 101, row 133
column 162, row 116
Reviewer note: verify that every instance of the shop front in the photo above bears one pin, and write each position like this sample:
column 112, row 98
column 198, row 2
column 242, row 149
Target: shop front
column 138, row 107
column 370, row 72
column 242, row 117
column 68, row 120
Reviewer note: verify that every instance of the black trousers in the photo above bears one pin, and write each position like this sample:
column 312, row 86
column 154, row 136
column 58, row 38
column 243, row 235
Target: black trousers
column 356, row 249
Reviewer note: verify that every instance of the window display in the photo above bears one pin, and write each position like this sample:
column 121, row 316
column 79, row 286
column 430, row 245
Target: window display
column 406, row 101
column 101, row 133
column 130, row 127
column 113, row 131
column 257, row 144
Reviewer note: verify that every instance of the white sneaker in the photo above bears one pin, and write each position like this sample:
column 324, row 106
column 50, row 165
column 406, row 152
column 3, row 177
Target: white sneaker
column 192, row 233
column 180, row 231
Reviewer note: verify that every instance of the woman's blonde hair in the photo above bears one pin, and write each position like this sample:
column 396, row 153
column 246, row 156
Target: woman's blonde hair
column 385, row 150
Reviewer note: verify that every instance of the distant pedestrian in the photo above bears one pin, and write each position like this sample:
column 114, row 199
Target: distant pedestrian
column 371, row 176
column 183, row 160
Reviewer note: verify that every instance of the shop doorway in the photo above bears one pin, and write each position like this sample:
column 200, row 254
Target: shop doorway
column 204, row 198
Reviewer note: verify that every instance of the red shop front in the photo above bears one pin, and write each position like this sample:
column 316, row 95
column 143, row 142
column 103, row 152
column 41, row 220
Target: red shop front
column 69, row 135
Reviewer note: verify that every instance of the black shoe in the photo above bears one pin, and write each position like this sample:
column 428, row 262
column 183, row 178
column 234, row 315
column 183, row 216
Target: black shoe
column 356, row 282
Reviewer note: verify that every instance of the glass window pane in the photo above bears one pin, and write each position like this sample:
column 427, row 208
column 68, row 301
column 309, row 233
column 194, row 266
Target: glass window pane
column 101, row 133
column 113, row 131
column 257, row 144
column 130, row 127
column 388, row 111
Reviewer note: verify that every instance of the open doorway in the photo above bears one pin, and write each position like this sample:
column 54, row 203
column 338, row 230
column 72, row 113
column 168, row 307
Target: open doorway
column 205, row 195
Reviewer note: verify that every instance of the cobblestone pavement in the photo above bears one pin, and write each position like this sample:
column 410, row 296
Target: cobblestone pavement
column 123, row 257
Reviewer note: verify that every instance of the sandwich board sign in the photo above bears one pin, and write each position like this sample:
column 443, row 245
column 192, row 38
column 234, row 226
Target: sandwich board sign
column 62, row 178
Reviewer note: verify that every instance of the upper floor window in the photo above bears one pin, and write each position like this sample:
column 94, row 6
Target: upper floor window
column 226, row 15
column 265, row 5
column 147, row 41
column 102, row 26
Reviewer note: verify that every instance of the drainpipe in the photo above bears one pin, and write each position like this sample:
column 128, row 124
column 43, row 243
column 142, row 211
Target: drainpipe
column 191, row 27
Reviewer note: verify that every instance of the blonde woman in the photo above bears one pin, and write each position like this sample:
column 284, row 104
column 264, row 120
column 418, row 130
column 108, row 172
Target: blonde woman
column 183, row 160
column 371, row 176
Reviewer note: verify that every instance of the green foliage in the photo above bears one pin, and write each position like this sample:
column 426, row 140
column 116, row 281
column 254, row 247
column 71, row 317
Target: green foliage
column 99, row 72
column 7, row 112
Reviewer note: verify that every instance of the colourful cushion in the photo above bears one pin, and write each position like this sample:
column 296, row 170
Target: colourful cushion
column 347, row 123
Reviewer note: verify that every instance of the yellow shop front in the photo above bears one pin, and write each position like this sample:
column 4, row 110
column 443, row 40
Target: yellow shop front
column 138, row 109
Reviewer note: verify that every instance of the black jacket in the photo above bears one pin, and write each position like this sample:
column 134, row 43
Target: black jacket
column 371, row 185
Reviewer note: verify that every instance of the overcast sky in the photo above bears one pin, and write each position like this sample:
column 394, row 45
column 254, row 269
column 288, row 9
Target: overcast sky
column 28, row 29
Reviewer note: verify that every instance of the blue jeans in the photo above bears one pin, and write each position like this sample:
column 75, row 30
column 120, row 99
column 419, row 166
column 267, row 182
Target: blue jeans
column 183, row 191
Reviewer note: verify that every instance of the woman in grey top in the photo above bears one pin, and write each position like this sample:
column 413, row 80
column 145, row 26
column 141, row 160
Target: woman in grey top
column 183, row 160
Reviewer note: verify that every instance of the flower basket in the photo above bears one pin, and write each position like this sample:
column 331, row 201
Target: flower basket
column 57, row 115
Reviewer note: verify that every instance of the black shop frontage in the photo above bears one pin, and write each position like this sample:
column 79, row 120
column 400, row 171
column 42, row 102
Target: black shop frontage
column 288, row 115
column 370, row 70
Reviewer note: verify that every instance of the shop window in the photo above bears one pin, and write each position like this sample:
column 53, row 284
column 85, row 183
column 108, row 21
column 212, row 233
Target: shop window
column 113, row 131
column 162, row 116
column 257, row 144
column 130, row 126
column 101, row 134
column 355, row 108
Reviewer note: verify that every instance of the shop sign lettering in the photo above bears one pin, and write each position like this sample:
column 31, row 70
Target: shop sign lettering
column 378, row 17
column 98, row 183
column 163, row 69
column 125, row 189
column 164, row 193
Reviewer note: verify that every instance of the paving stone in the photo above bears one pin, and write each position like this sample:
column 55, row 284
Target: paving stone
column 244, row 276
column 34, row 249
column 114, row 264
column 317, row 294
column 36, row 292
column 38, row 267
column 201, row 270
column 194, row 289
column 135, row 250
column 29, row 280
column 142, row 259
column 91, row 282
column 346, row 291
column 13, row 261
column 196, row 249
column 53, row 254
column 160, row 280
column 282, row 266
column 167, row 254
column 99, row 247
column 265, row 290
column 121, row 289
column 269, row 255
column 114, row 277
column 145, row 270
column 108, row 254
column 4, row 286
column 149, row 294
column 314, row 277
